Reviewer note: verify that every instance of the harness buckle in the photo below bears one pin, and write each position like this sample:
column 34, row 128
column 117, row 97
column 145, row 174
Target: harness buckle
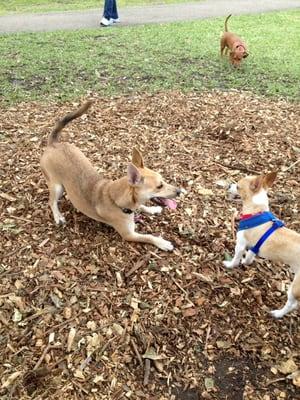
column 277, row 223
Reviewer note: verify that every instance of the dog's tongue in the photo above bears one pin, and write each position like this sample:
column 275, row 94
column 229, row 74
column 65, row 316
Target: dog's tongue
column 170, row 203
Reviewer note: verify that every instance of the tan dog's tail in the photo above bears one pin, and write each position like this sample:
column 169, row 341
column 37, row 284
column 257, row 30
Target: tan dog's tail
column 53, row 137
column 226, row 28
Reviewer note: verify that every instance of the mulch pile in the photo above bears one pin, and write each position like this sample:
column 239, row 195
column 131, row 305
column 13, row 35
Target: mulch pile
column 84, row 315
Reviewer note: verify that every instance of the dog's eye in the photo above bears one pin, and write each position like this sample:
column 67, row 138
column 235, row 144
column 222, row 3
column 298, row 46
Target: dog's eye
column 237, row 187
column 160, row 186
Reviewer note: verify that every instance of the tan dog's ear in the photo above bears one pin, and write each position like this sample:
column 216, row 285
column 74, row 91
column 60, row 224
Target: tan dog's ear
column 134, row 175
column 269, row 179
column 257, row 183
column 137, row 158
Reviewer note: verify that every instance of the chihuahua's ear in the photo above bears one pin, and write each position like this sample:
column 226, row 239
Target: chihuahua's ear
column 269, row 179
column 134, row 175
column 137, row 158
column 257, row 183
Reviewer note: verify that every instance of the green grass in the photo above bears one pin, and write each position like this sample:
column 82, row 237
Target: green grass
column 185, row 56
column 32, row 6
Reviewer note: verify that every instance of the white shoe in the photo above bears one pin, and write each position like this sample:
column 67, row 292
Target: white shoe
column 116, row 20
column 106, row 22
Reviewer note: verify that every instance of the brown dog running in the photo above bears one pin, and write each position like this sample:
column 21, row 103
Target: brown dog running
column 112, row 202
column 231, row 42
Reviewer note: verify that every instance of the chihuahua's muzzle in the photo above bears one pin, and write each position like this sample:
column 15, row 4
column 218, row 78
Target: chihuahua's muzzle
column 232, row 191
column 168, row 202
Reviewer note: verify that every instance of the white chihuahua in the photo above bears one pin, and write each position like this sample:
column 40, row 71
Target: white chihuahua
column 262, row 234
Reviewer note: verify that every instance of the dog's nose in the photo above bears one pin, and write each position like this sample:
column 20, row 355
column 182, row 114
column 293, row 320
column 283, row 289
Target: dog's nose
column 178, row 192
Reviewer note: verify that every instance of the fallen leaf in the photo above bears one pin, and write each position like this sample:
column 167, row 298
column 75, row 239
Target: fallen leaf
column 56, row 300
column 7, row 196
column 209, row 384
column 10, row 379
column 287, row 367
column 79, row 374
column 190, row 312
column 227, row 256
column 71, row 337
column 223, row 344
column 91, row 325
column 117, row 328
column 152, row 355
column 17, row 316
column 295, row 376
column 205, row 192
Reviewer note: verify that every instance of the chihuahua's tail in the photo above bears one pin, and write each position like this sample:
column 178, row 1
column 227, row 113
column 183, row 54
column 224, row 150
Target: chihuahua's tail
column 226, row 28
column 54, row 135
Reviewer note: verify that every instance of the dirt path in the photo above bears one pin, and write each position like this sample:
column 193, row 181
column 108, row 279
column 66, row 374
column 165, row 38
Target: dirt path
column 140, row 15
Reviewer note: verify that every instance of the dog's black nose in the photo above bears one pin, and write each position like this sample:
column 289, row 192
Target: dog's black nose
column 178, row 192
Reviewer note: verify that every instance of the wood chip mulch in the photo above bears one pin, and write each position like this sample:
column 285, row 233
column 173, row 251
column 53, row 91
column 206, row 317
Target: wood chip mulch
column 84, row 315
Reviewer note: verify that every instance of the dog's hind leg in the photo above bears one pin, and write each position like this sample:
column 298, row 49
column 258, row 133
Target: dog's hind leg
column 223, row 47
column 292, row 301
column 56, row 191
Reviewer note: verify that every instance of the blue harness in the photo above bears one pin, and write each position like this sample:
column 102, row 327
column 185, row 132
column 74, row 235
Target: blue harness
column 257, row 220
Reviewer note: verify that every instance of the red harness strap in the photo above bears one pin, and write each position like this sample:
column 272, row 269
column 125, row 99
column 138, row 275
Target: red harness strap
column 246, row 216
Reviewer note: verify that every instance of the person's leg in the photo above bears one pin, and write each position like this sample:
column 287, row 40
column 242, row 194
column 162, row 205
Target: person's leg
column 114, row 10
column 110, row 13
column 108, row 9
column 107, row 18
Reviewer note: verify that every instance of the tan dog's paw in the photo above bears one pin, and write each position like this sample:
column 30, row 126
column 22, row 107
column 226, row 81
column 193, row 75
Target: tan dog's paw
column 164, row 244
column 151, row 210
column 155, row 210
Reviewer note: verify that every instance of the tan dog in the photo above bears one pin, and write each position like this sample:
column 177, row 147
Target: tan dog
column 282, row 245
column 230, row 41
column 112, row 202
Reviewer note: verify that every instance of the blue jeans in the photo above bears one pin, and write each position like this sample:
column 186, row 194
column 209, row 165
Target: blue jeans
column 110, row 9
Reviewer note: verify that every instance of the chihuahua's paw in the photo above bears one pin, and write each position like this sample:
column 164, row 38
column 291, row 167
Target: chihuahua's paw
column 228, row 264
column 154, row 210
column 277, row 313
column 248, row 259
column 164, row 244
column 60, row 220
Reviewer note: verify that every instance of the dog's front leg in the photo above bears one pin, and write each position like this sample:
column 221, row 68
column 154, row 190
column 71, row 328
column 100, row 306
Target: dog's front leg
column 240, row 248
column 151, row 210
column 127, row 230
column 157, row 241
